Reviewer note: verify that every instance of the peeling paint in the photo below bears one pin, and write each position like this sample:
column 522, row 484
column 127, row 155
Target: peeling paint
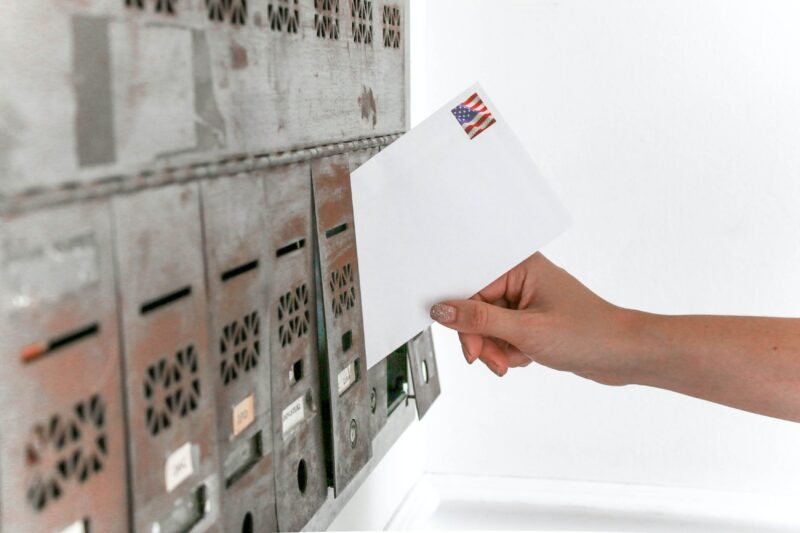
column 367, row 103
column 238, row 56
column 209, row 122
column 91, row 66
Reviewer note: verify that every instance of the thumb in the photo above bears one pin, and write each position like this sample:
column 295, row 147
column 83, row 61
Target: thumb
column 480, row 318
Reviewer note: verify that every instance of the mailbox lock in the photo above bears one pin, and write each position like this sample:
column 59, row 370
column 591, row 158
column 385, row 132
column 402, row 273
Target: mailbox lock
column 373, row 400
column 353, row 433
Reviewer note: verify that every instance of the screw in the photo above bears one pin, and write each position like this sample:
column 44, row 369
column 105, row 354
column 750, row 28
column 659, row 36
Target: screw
column 373, row 400
column 353, row 433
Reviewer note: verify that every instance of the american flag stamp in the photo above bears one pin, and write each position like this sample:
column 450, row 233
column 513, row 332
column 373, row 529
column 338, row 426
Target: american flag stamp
column 474, row 116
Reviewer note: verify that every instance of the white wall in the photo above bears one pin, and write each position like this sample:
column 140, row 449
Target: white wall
column 671, row 130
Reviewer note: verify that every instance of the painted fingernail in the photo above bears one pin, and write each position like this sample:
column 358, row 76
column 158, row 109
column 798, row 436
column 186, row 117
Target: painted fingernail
column 444, row 314
column 467, row 355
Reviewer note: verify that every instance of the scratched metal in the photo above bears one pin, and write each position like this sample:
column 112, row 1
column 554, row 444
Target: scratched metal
column 62, row 432
column 121, row 87
column 347, row 407
column 292, row 328
column 424, row 374
column 170, row 385
column 237, row 278
column 378, row 400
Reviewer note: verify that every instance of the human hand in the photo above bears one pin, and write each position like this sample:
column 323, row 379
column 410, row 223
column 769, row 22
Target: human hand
column 539, row 312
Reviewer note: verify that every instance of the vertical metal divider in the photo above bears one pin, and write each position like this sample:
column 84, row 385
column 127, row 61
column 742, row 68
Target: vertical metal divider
column 322, row 345
column 122, row 370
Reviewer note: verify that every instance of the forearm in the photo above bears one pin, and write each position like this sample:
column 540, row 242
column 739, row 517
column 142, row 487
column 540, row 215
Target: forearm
column 750, row 363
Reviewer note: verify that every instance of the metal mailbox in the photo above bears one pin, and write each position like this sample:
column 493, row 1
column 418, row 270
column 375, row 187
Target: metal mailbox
column 62, row 426
column 424, row 374
column 170, row 391
column 236, row 270
column 343, row 361
column 378, row 398
column 298, row 446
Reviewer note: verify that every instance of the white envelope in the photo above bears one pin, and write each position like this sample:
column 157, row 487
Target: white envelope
column 439, row 216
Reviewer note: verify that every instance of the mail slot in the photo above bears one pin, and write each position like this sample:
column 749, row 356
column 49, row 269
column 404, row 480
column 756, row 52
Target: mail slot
column 342, row 358
column 63, row 460
column 298, row 450
column 424, row 374
column 236, row 271
column 174, row 463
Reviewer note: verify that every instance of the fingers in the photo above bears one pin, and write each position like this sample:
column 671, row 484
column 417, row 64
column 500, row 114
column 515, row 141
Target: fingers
column 471, row 345
column 477, row 317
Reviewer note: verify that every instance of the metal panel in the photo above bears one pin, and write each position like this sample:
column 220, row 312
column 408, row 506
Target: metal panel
column 62, row 432
column 157, row 85
column 236, row 257
column 170, row 392
column 342, row 337
column 424, row 374
column 298, row 451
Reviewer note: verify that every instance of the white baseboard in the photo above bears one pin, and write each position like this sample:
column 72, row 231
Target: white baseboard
column 440, row 501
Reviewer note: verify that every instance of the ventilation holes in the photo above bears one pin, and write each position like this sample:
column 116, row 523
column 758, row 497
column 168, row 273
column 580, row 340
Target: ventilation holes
column 391, row 26
column 171, row 388
column 326, row 20
column 66, row 449
column 283, row 15
column 293, row 315
column 239, row 347
column 343, row 287
column 233, row 11
column 161, row 6
column 361, row 10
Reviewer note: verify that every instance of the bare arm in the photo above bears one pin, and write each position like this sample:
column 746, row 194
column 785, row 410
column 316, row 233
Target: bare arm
column 538, row 312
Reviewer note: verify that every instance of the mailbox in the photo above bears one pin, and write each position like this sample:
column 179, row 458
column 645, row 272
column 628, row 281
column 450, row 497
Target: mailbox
column 342, row 357
column 236, row 270
column 62, row 466
column 298, row 451
column 170, row 391
column 424, row 374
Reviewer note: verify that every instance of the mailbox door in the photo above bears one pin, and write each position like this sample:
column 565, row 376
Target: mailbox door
column 299, row 453
column 236, row 248
column 170, row 393
column 62, row 428
column 424, row 374
column 342, row 345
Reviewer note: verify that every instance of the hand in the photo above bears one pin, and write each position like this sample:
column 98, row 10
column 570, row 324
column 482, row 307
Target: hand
column 539, row 312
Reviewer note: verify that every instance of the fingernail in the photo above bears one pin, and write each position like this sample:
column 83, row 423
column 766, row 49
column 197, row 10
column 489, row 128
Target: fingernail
column 494, row 368
column 467, row 355
column 444, row 314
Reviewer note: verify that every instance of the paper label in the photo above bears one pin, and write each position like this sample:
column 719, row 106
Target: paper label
column 293, row 415
column 243, row 415
column 180, row 466
column 347, row 377
column 77, row 527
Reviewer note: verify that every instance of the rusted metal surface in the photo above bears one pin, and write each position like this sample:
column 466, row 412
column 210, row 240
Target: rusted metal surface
column 424, row 374
column 115, row 88
column 237, row 278
column 378, row 400
column 344, row 376
column 174, row 473
column 299, row 453
column 62, row 425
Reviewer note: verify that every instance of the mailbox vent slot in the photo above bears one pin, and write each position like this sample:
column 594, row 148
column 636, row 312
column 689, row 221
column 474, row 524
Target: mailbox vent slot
column 66, row 449
column 167, row 299
column 35, row 351
column 361, row 10
column 347, row 341
column 234, row 11
column 296, row 372
column 391, row 26
column 238, row 271
column 289, row 248
column 162, row 6
column 240, row 347
column 342, row 285
column 293, row 315
column 172, row 389
column 283, row 15
column 326, row 20
column 341, row 228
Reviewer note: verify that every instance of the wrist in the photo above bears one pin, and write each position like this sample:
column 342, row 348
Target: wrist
column 639, row 347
